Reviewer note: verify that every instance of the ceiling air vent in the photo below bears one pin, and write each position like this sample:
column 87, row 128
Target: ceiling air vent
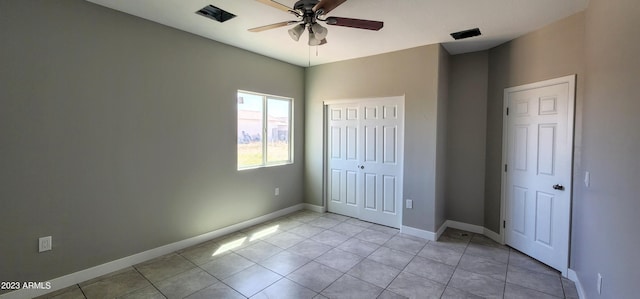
column 466, row 33
column 215, row 13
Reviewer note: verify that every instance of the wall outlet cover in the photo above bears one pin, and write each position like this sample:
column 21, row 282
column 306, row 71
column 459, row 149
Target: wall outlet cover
column 587, row 179
column 409, row 204
column 44, row 244
column 599, row 285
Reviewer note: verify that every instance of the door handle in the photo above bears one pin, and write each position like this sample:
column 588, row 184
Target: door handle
column 558, row 187
column 361, row 166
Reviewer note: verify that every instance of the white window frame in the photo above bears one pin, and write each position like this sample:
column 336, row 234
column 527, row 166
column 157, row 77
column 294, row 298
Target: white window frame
column 265, row 125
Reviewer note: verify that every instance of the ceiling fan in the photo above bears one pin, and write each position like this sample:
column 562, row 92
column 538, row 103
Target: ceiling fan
column 309, row 13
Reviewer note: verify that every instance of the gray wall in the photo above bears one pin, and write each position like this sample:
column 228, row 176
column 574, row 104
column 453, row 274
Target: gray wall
column 118, row 136
column 413, row 73
column 466, row 134
column 554, row 51
column 442, row 137
column 601, row 47
column 605, row 215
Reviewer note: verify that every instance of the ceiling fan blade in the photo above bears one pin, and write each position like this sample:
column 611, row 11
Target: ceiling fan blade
column 355, row 23
column 276, row 5
column 272, row 26
column 327, row 5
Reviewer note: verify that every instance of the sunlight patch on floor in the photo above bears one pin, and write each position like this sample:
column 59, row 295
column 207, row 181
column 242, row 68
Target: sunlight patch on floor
column 238, row 242
column 229, row 246
column 263, row 233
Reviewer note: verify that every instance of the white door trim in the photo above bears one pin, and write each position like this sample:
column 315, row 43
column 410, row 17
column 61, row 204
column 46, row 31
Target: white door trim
column 325, row 136
column 571, row 80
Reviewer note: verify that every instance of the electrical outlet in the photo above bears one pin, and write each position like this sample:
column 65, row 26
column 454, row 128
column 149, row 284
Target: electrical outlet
column 409, row 204
column 44, row 244
column 599, row 285
column 277, row 192
column 587, row 178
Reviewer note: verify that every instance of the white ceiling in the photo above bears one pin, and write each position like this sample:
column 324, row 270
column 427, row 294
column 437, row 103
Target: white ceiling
column 407, row 24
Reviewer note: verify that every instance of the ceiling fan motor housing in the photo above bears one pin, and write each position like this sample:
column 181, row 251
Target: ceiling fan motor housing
column 305, row 5
column 306, row 8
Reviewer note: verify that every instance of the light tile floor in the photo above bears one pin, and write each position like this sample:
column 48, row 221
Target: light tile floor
column 313, row 255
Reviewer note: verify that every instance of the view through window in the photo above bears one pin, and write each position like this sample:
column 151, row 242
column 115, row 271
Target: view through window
column 264, row 130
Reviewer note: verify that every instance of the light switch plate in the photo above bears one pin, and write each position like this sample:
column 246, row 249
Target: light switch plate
column 409, row 204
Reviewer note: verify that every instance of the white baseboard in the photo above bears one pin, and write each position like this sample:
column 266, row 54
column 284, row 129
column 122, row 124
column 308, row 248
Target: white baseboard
column 431, row 236
column 314, row 208
column 441, row 230
column 475, row 229
column 416, row 232
column 465, row 226
column 97, row 271
column 493, row 235
column 573, row 276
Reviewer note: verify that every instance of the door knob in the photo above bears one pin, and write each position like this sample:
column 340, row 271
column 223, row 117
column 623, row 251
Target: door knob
column 558, row 187
column 361, row 166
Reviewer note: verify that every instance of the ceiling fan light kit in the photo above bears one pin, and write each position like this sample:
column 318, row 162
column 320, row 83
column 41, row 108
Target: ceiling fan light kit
column 309, row 13
column 316, row 39
column 313, row 41
column 318, row 31
column 296, row 32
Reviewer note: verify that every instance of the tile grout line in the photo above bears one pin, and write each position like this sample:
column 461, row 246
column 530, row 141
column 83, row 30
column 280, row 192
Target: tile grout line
column 314, row 260
column 284, row 276
column 405, row 266
column 345, row 273
column 336, row 247
column 310, row 260
column 81, row 291
column 147, row 279
column 231, row 287
column 563, row 290
column 504, row 289
column 188, row 260
column 386, row 288
column 394, row 278
column 457, row 264
column 535, row 272
column 201, row 269
column 380, row 246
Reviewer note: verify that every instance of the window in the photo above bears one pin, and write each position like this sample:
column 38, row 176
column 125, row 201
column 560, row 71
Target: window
column 264, row 130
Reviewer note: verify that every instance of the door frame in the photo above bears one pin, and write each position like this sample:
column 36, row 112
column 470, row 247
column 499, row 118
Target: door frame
column 325, row 149
column 571, row 80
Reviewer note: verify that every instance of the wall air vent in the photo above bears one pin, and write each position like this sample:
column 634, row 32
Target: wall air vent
column 215, row 13
column 466, row 33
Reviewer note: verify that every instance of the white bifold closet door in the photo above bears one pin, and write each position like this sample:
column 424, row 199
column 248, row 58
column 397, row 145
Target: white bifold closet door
column 364, row 159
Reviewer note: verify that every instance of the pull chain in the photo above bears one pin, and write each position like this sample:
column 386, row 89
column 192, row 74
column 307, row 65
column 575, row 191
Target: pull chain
column 309, row 61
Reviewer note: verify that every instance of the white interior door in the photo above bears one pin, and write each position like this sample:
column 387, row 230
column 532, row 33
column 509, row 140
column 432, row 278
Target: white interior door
column 343, row 176
column 365, row 147
column 537, row 180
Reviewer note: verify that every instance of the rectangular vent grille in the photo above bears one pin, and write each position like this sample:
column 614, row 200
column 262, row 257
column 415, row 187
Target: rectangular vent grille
column 215, row 13
column 466, row 33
